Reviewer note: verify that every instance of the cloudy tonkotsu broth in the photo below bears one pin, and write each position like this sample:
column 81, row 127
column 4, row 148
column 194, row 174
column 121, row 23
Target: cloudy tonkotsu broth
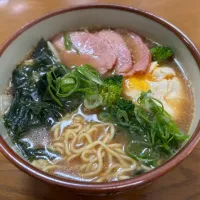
column 99, row 106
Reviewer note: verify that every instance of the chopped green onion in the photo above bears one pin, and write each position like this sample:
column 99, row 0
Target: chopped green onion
column 93, row 101
column 91, row 74
column 105, row 116
column 54, row 97
column 67, row 41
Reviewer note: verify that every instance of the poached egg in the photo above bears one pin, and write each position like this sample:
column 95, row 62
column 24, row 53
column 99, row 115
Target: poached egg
column 163, row 83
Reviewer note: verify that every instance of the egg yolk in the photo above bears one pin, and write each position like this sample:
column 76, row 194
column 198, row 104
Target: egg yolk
column 138, row 82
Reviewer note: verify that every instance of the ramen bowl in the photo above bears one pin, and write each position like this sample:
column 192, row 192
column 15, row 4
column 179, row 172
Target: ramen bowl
column 112, row 16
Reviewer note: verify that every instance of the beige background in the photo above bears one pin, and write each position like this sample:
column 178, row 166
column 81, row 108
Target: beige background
column 182, row 183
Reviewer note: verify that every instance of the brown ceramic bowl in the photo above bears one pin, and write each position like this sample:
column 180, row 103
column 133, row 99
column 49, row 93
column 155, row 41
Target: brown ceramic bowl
column 113, row 16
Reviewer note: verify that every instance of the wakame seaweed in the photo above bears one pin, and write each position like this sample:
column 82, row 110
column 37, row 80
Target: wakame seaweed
column 32, row 104
column 37, row 152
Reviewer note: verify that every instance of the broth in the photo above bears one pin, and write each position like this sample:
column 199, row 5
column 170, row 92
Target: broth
column 85, row 123
column 186, row 114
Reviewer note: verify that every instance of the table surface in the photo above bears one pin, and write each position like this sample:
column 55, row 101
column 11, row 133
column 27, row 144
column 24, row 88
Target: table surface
column 182, row 183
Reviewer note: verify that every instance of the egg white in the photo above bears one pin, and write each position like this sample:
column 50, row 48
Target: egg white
column 163, row 83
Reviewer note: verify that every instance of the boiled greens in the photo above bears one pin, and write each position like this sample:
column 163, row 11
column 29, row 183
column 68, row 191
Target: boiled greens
column 152, row 132
column 33, row 105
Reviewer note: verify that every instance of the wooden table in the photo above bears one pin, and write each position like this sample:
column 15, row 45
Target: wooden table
column 182, row 183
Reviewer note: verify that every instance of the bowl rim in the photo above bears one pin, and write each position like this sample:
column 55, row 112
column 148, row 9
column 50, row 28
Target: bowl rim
column 111, row 186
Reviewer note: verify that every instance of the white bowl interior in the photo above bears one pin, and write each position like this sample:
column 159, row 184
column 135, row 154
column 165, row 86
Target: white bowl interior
column 106, row 18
